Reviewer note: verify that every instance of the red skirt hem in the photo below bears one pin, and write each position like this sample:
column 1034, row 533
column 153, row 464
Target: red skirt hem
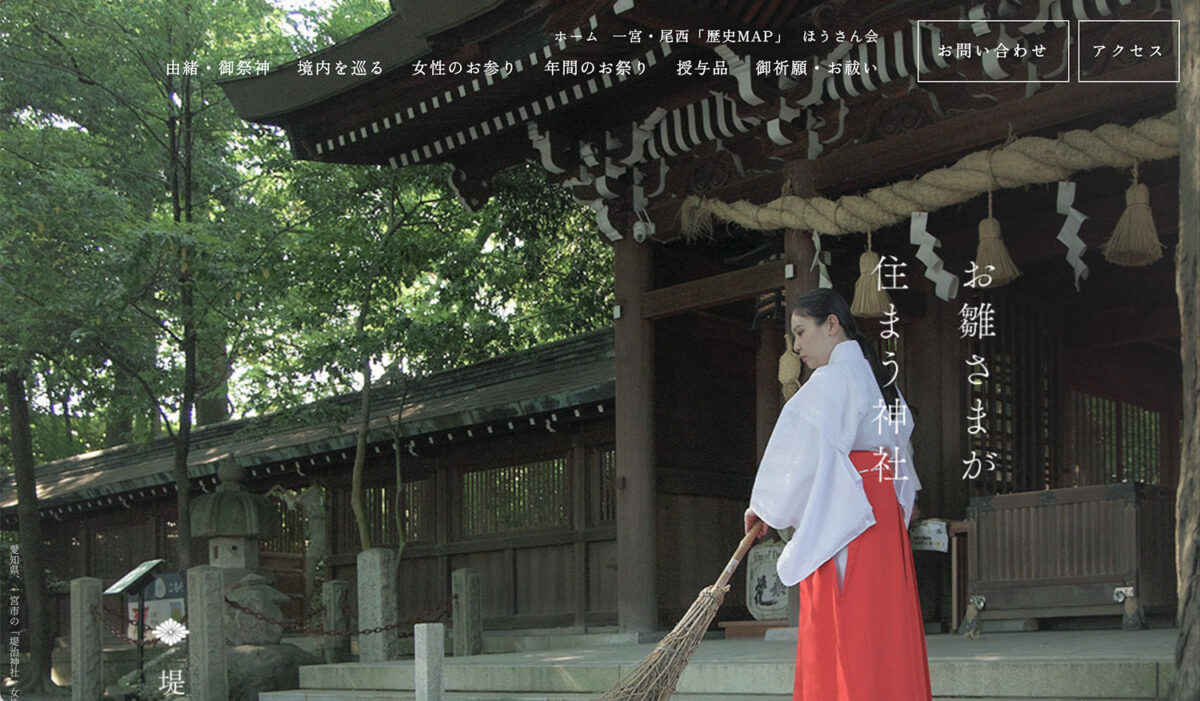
column 864, row 640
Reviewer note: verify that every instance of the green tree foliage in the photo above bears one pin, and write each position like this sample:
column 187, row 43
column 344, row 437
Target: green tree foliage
column 534, row 271
column 222, row 205
column 447, row 286
column 51, row 282
column 54, row 276
column 102, row 73
column 419, row 283
column 154, row 248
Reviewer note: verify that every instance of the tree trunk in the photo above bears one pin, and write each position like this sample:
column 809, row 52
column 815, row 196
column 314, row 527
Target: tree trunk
column 183, row 439
column 173, row 148
column 360, row 450
column 212, row 406
column 33, row 575
column 181, row 198
column 127, row 412
column 399, row 502
column 118, row 426
column 399, row 509
column 1187, row 287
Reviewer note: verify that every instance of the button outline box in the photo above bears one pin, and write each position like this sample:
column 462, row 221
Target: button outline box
column 1002, row 80
column 1178, row 56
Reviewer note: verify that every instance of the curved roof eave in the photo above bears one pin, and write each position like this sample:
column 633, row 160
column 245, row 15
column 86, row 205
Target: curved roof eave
column 569, row 373
column 394, row 42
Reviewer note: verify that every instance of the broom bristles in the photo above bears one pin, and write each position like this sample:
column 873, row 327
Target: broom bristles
column 1135, row 238
column 655, row 678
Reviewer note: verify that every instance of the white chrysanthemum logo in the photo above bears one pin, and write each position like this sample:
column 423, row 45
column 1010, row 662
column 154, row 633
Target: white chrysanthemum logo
column 171, row 631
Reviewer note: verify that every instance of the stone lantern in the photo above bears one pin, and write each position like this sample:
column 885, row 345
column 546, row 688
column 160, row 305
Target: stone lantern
column 234, row 521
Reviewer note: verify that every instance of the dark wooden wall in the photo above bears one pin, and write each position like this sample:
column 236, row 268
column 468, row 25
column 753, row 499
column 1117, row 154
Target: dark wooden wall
column 705, row 415
column 106, row 544
column 558, row 572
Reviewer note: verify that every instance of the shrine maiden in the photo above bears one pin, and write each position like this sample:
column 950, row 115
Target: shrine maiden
column 838, row 470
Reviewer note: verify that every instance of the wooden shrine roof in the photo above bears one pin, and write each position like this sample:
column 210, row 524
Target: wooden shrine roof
column 400, row 119
column 633, row 145
column 544, row 385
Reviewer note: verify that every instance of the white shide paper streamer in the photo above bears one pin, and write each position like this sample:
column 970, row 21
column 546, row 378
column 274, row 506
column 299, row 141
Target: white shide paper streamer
column 820, row 262
column 1069, row 233
column 945, row 282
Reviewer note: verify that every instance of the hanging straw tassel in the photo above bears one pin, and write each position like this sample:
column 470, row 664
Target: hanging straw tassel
column 993, row 253
column 869, row 300
column 789, row 372
column 694, row 220
column 1135, row 239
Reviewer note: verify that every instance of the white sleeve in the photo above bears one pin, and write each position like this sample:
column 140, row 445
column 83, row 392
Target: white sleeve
column 806, row 481
column 906, row 482
column 906, row 489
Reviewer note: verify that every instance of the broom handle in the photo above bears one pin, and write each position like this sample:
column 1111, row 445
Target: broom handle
column 743, row 547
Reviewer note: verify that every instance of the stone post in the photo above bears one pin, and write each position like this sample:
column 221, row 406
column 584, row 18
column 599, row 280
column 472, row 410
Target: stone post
column 208, row 677
column 87, row 675
column 334, row 596
column 430, row 643
column 467, row 608
column 377, row 604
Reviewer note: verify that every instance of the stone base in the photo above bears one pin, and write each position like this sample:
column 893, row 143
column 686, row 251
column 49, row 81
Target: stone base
column 1042, row 666
column 257, row 668
column 750, row 629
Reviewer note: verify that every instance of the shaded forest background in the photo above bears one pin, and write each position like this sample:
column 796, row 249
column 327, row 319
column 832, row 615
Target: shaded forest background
column 124, row 186
column 164, row 264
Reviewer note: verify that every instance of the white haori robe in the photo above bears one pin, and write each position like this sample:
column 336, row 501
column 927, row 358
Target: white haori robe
column 806, row 480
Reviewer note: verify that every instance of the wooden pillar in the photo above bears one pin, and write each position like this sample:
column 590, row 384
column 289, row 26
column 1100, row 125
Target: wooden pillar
column 768, row 396
column 798, row 253
column 798, row 249
column 1187, row 286
column 636, row 529
column 956, row 492
column 579, row 522
column 445, row 507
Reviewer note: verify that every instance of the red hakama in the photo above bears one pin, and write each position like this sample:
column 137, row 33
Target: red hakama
column 865, row 640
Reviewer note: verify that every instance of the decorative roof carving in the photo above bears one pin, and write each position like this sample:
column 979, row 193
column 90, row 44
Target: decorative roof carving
column 614, row 137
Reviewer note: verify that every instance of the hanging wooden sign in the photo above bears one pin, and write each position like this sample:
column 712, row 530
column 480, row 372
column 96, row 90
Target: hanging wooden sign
column 766, row 597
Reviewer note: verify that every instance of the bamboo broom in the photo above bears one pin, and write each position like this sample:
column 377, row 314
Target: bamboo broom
column 655, row 678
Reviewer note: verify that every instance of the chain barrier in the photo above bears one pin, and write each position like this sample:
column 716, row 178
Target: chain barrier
column 317, row 614
column 430, row 615
column 115, row 622
column 100, row 614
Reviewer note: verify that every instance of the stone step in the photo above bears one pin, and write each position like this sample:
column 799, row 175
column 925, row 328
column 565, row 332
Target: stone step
column 341, row 695
column 336, row 695
column 499, row 644
column 1057, row 680
column 1046, row 666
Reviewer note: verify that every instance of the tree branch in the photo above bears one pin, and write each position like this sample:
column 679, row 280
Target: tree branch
column 118, row 360
column 159, row 322
column 86, row 79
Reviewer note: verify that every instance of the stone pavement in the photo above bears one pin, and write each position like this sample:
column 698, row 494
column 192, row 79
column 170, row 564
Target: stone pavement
column 1037, row 666
column 1041, row 665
